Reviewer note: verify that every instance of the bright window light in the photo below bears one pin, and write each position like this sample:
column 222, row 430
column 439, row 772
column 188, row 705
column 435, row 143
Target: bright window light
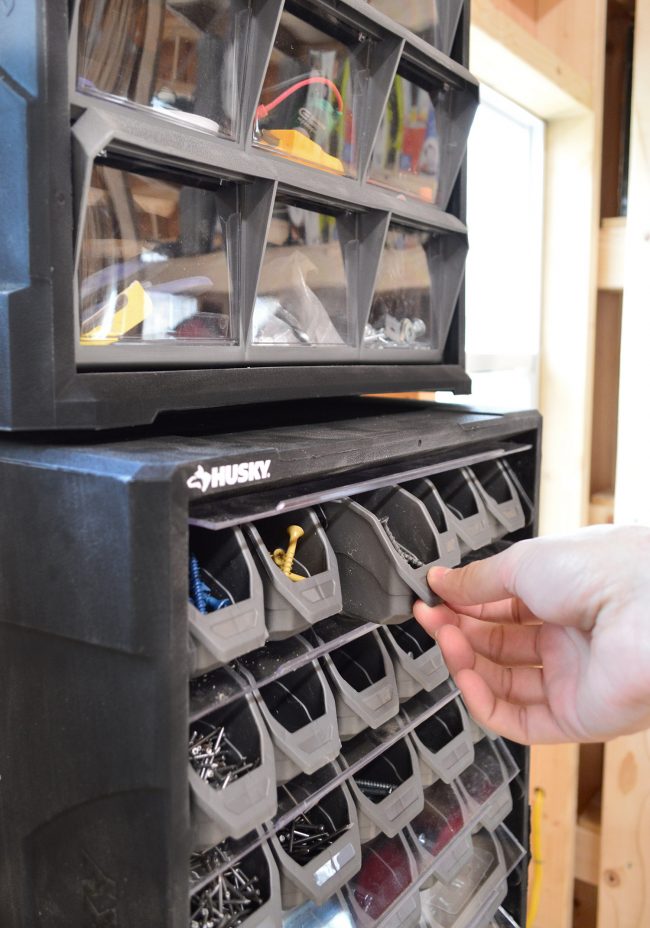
column 503, row 278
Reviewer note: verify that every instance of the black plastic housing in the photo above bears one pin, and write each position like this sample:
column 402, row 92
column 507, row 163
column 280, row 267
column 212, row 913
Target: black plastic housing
column 53, row 133
column 94, row 637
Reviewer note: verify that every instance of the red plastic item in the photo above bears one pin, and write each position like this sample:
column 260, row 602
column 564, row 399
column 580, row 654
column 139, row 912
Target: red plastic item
column 264, row 109
column 385, row 874
column 440, row 820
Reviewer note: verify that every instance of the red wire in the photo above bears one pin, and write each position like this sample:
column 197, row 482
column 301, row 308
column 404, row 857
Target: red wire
column 263, row 110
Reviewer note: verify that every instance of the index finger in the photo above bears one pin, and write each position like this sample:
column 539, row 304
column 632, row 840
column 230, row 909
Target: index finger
column 485, row 581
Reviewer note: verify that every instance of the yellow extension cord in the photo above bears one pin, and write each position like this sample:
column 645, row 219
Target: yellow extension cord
column 536, row 854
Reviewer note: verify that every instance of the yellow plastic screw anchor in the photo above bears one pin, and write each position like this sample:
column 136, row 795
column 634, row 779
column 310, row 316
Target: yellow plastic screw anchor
column 294, row 532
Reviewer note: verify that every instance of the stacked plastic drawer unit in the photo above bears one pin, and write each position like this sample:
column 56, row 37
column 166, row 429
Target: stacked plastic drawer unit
column 219, row 710
column 198, row 194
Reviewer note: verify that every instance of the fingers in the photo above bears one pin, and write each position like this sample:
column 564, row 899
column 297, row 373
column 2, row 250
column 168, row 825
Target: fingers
column 520, row 685
column 479, row 582
column 503, row 644
column 534, row 724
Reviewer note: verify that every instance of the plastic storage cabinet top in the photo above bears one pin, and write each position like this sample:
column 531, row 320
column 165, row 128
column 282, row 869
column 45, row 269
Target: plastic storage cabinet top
column 196, row 196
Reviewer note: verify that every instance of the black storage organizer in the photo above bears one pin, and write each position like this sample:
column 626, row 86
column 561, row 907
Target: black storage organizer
column 197, row 196
column 123, row 762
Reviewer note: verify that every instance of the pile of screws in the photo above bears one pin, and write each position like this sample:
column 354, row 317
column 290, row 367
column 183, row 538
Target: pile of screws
column 408, row 556
column 285, row 559
column 201, row 594
column 215, row 758
column 375, row 790
column 303, row 839
column 229, row 899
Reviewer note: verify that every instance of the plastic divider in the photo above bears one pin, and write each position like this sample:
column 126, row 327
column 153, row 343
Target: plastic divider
column 224, row 633
column 443, row 741
column 497, row 488
column 254, row 878
column 388, row 791
column 291, row 606
column 364, row 685
column 300, row 713
column 378, row 894
column 319, row 850
column 230, row 805
column 419, row 662
column 465, row 507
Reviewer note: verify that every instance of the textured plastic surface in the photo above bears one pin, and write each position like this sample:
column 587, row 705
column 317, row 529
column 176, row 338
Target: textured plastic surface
column 364, row 684
column 187, row 347
column 224, row 634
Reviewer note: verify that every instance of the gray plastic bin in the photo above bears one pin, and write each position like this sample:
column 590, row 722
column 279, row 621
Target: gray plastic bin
column 380, row 810
column 314, row 867
column 378, row 582
column 292, row 606
column 221, row 635
column 438, row 831
column 382, row 885
column 443, row 741
column 485, row 784
column 419, row 662
column 467, row 513
column 258, row 867
column 233, row 809
column 496, row 486
column 475, row 892
column 425, row 491
column 300, row 713
column 363, row 683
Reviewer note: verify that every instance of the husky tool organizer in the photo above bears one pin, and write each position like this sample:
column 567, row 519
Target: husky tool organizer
column 197, row 195
column 170, row 757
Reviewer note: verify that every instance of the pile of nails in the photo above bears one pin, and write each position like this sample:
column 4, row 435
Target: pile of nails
column 303, row 839
column 229, row 899
column 215, row 758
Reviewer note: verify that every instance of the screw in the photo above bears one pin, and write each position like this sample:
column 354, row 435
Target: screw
column 294, row 532
column 278, row 559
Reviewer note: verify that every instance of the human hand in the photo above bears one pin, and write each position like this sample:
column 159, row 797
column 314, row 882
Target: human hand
column 549, row 640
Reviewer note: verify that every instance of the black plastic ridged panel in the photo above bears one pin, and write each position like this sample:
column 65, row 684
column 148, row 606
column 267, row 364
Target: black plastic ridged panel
column 67, row 149
column 97, row 657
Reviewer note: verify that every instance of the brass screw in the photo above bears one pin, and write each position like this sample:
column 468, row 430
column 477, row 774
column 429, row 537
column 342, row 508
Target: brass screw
column 295, row 532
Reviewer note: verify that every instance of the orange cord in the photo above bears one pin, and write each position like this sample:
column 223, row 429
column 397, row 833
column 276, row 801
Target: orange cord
column 263, row 109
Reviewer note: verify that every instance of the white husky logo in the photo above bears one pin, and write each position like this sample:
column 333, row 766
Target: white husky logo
column 227, row 475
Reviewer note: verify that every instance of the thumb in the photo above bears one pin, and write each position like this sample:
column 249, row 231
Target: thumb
column 479, row 582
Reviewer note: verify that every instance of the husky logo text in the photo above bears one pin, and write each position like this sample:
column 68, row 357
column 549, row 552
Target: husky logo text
column 227, row 475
